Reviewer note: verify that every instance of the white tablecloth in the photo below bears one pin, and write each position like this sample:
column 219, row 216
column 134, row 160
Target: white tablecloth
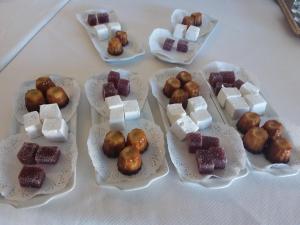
column 252, row 34
column 20, row 20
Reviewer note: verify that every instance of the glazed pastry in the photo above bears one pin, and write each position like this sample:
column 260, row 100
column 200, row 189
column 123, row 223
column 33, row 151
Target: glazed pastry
column 33, row 99
column 184, row 77
column 114, row 142
column 279, row 151
column 192, row 88
column 138, row 140
column 171, row 85
column 188, row 20
column 57, row 95
column 115, row 47
column 180, row 96
column 122, row 36
column 274, row 128
column 255, row 140
column 247, row 121
column 129, row 161
column 43, row 84
column 197, row 19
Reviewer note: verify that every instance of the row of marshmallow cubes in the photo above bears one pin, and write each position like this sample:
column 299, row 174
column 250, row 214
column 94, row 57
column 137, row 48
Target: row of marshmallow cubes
column 190, row 33
column 182, row 124
column 48, row 122
column 119, row 111
column 105, row 30
column 238, row 101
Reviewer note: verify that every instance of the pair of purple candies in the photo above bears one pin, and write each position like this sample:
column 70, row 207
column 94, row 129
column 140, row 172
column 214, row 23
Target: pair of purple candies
column 182, row 45
column 99, row 18
column 115, row 85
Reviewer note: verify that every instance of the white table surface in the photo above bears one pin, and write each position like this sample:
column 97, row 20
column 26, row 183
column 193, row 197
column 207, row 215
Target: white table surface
column 252, row 34
column 20, row 20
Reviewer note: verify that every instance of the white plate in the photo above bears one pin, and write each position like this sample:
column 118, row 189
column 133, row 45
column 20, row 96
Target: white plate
column 130, row 52
column 94, row 87
column 69, row 85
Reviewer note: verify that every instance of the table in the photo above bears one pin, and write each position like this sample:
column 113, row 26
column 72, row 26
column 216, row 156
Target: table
column 252, row 34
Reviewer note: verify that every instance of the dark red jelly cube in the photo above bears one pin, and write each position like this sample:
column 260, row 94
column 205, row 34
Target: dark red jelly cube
column 92, row 20
column 228, row 77
column 123, row 87
column 47, row 155
column 238, row 83
column 218, row 87
column 194, row 141
column 182, row 46
column 204, row 161
column 113, row 77
column 168, row 44
column 102, row 18
column 208, row 141
column 31, row 176
column 26, row 154
column 219, row 157
column 109, row 90
column 215, row 78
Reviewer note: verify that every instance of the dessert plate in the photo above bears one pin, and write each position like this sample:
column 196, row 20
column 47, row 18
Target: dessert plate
column 69, row 85
column 130, row 52
column 93, row 89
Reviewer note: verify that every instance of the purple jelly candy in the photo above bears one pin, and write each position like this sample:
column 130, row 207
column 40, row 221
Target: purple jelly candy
column 109, row 90
column 182, row 46
column 31, row 177
column 194, row 141
column 215, row 78
column 123, row 87
column 47, row 155
column 217, row 88
column 168, row 44
column 238, row 83
column 113, row 77
column 218, row 156
column 228, row 77
column 208, row 142
column 92, row 20
column 102, row 18
column 26, row 155
column 204, row 161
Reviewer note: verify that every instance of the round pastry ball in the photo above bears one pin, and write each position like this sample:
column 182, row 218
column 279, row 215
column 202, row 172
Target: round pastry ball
column 180, row 96
column 279, row 151
column 255, row 139
column 57, row 95
column 115, row 47
column 43, row 84
column 247, row 121
column 138, row 140
column 192, row 88
column 188, row 20
column 274, row 128
column 197, row 19
column 122, row 36
column 184, row 77
column 129, row 161
column 113, row 144
column 33, row 99
column 171, row 85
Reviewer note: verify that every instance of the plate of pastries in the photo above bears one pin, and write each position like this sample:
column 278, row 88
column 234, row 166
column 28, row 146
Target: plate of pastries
column 52, row 89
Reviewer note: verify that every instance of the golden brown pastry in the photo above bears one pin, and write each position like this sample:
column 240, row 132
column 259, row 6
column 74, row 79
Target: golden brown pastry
column 171, row 85
column 180, row 96
column 255, row 139
column 137, row 139
column 274, row 128
column 129, row 161
column 192, row 88
column 184, row 77
column 188, row 20
column 33, row 99
column 115, row 47
column 57, row 95
column 113, row 144
column 197, row 19
column 247, row 121
column 279, row 151
column 43, row 84
column 122, row 36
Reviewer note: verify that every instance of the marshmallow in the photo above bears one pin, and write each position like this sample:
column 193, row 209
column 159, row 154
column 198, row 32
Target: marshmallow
column 32, row 124
column 192, row 33
column 236, row 107
column 55, row 129
column 174, row 112
column 257, row 103
column 196, row 104
column 113, row 27
column 248, row 88
column 131, row 110
column 183, row 126
column 102, row 32
column 116, row 118
column 226, row 93
column 50, row 111
column 179, row 31
column 202, row 118
column 113, row 102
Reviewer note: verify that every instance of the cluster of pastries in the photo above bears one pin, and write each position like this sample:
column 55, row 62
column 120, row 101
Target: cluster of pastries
column 117, row 42
column 46, row 92
column 267, row 139
column 127, row 151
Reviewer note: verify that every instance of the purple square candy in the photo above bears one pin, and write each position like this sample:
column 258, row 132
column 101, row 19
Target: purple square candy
column 26, row 155
column 92, row 20
column 182, row 46
column 47, row 155
column 194, row 141
column 204, row 161
column 208, row 141
column 238, row 83
column 109, row 90
column 102, row 18
column 123, row 87
column 113, row 77
column 31, row 176
column 228, row 77
column 215, row 78
column 219, row 158
column 168, row 44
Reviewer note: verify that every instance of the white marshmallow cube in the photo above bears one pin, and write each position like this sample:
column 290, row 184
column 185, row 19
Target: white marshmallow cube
column 114, row 27
column 116, row 119
column 201, row 118
column 192, row 33
column 183, row 126
column 196, row 104
column 257, row 103
column 102, row 32
column 131, row 110
column 55, row 130
column 174, row 112
column 227, row 93
column 32, row 124
column 236, row 107
column 248, row 88
column 113, row 102
column 50, row 111
column 179, row 31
